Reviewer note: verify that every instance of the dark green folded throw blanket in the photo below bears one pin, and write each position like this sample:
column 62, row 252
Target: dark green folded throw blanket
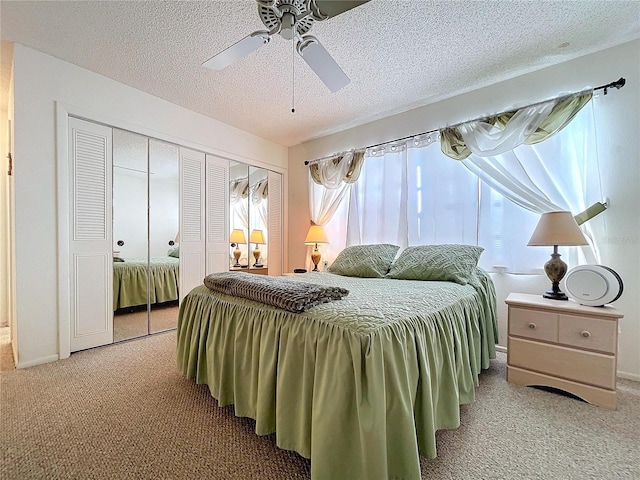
column 290, row 295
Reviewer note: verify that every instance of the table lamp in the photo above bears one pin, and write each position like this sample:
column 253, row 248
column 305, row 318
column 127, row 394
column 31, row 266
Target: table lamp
column 237, row 237
column 556, row 228
column 256, row 237
column 316, row 235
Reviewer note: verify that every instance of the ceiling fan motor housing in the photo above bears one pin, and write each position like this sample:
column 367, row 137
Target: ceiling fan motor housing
column 288, row 17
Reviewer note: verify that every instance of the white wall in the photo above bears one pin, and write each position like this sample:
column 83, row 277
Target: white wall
column 39, row 81
column 618, row 115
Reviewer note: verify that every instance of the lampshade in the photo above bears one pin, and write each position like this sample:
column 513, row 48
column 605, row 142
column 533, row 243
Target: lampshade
column 257, row 237
column 177, row 239
column 557, row 228
column 237, row 236
column 316, row 234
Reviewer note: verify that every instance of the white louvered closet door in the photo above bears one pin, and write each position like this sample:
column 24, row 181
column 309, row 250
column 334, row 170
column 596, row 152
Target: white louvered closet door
column 275, row 223
column 217, row 208
column 91, row 270
column 192, row 220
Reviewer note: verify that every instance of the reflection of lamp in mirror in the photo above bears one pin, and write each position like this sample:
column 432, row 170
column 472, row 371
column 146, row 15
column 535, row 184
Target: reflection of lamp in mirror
column 316, row 235
column 237, row 237
column 556, row 228
column 257, row 237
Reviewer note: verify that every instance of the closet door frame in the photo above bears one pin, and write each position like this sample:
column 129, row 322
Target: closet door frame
column 62, row 113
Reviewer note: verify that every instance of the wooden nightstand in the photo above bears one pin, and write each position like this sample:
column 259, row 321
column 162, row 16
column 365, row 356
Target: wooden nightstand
column 564, row 345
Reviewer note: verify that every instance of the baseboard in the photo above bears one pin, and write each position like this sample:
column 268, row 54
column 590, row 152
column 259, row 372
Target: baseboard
column 37, row 361
column 627, row 376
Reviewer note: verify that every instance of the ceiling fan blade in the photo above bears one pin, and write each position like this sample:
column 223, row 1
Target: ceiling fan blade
column 238, row 50
column 331, row 8
column 322, row 63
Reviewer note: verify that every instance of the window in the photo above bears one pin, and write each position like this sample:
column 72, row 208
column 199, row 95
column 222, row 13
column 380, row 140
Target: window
column 414, row 195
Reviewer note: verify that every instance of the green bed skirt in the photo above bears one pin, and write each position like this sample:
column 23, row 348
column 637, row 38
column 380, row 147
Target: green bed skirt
column 360, row 393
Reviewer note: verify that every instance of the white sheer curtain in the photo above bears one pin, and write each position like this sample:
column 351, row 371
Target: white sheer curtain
column 324, row 199
column 328, row 199
column 378, row 201
column 560, row 173
column 410, row 193
column 442, row 199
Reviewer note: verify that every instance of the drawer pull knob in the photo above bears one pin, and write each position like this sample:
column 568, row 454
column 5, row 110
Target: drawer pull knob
column 532, row 326
column 586, row 334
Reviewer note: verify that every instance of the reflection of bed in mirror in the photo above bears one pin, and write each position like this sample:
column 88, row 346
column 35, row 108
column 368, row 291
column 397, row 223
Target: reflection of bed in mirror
column 130, row 287
column 133, row 316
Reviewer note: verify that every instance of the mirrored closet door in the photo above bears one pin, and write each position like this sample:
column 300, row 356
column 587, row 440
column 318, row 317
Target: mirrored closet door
column 145, row 235
column 258, row 220
column 164, row 235
column 255, row 219
column 239, row 215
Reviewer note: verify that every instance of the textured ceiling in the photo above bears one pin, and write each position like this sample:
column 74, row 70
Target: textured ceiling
column 399, row 54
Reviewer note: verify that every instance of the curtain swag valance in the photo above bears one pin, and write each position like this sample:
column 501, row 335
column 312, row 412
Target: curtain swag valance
column 500, row 133
column 546, row 122
column 344, row 168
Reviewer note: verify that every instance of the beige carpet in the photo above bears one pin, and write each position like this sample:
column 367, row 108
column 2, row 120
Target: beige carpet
column 123, row 411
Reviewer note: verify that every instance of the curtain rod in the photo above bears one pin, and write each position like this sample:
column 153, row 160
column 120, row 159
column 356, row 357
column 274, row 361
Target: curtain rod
column 618, row 84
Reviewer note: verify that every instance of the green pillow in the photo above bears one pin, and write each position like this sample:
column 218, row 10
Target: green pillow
column 174, row 252
column 446, row 263
column 366, row 261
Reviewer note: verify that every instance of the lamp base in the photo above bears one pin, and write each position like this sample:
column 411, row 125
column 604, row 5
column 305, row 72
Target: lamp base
column 256, row 255
column 315, row 258
column 236, row 254
column 555, row 269
column 553, row 295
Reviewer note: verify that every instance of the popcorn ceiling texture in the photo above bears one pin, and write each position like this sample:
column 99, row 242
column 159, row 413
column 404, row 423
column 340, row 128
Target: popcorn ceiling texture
column 399, row 54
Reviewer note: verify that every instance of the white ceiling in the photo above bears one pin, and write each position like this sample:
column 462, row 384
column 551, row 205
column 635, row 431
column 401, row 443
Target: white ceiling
column 399, row 54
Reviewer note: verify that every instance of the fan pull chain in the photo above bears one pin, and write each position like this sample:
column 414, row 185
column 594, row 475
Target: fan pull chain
column 293, row 75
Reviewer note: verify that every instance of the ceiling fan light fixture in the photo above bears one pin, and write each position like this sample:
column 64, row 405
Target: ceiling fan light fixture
column 288, row 26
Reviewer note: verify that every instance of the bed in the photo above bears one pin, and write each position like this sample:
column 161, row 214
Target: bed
column 130, row 281
column 359, row 385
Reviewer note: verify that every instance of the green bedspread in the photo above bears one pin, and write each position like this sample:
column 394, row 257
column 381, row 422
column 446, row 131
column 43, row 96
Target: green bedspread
column 130, row 281
column 359, row 385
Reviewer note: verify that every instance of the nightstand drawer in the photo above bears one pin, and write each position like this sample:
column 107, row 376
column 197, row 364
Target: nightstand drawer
column 533, row 324
column 585, row 367
column 591, row 333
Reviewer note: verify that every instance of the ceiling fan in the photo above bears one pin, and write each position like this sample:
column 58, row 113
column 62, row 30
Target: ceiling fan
column 292, row 19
